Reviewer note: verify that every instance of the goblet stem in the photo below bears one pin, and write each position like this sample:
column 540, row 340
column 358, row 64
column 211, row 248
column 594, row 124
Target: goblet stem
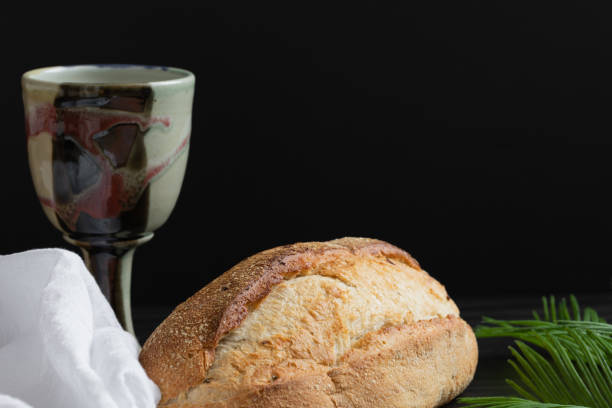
column 110, row 261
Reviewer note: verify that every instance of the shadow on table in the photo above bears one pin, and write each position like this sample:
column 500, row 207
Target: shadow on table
column 489, row 380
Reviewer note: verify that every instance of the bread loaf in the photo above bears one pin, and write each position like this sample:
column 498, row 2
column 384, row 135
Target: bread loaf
column 350, row 323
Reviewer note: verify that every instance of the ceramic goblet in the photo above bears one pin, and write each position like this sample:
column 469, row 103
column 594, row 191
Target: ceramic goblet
column 107, row 147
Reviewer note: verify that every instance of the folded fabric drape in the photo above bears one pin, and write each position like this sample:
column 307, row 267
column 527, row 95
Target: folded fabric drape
column 60, row 342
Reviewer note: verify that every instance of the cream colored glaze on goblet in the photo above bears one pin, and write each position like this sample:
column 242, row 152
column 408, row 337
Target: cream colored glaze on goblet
column 107, row 147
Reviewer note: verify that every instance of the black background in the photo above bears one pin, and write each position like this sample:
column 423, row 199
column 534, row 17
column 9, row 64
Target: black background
column 475, row 135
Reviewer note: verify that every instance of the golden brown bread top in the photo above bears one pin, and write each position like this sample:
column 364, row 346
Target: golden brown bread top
column 199, row 323
column 180, row 353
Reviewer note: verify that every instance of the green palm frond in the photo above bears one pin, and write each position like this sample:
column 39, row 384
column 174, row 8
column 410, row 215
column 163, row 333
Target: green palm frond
column 576, row 371
column 511, row 402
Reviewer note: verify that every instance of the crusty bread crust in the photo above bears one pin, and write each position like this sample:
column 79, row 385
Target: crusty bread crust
column 423, row 363
column 180, row 351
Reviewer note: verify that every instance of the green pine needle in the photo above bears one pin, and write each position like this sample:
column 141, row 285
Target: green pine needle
column 571, row 368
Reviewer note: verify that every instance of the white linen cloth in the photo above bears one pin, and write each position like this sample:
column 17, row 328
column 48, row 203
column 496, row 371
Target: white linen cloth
column 60, row 342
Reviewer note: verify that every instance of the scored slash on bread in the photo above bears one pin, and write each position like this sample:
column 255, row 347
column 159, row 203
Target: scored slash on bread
column 353, row 322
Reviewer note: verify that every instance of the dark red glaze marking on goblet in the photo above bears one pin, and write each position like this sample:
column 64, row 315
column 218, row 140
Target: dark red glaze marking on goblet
column 100, row 168
column 94, row 175
column 155, row 170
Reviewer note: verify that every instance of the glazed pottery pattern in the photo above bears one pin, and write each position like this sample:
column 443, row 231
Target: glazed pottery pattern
column 107, row 147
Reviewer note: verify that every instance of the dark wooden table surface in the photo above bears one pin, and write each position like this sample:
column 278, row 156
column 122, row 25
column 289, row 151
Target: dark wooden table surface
column 492, row 365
